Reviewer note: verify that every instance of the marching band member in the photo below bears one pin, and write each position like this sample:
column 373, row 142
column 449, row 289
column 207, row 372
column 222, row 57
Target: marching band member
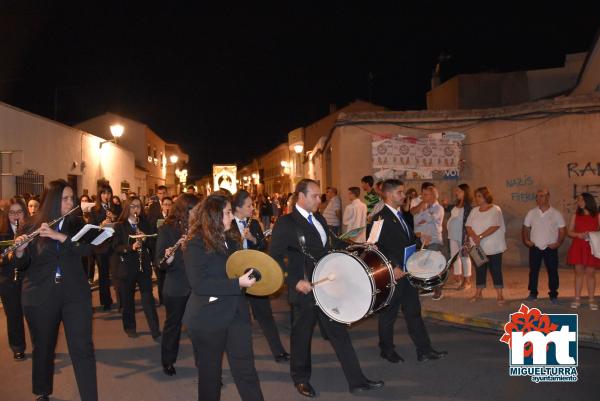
column 176, row 290
column 100, row 215
column 286, row 241
column 10, row 280
column 55, row 289
column 397, row 234
column 217, row 316
column 133, row 267
column 253, row 238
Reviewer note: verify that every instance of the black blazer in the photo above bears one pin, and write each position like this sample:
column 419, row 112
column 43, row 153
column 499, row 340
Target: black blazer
column 39, row 267
column 285, row 242
column 208, row 279
column 256, row 231
column 393, row 238
column 7, row 267
column 176, row 283
column 126, row 259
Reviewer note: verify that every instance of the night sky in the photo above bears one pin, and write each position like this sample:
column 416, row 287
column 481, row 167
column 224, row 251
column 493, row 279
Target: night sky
column 228, row 84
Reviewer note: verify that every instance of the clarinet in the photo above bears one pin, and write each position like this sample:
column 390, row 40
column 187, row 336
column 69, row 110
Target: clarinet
column 16, row 272
column 174, row 249
column 140, row 250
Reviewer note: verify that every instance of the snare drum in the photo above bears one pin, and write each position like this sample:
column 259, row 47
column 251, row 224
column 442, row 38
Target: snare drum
column 361, row 282
column 427, row 269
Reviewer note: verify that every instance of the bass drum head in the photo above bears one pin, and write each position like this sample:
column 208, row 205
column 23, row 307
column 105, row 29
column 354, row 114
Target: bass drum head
column 348, row 297
column 426, row 264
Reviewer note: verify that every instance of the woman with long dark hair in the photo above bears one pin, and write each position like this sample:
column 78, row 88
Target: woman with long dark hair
column 10, row 279
column 586, row 219
column 216, row 315
column 176, row 289
column 55, row 290
column 252, row 237
column 101, row 215
column 457, row 234
column 134, row 267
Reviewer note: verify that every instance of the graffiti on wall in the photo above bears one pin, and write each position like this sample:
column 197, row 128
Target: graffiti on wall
column 520, row 191
column 581, row 170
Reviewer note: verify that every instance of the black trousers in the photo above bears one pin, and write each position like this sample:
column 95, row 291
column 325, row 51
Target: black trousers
column 495, row 267
column 103, row 262
column 10, row 293
column 305, row 315
column 127, row 290
column 550, row 258
column 407, row 297
column 160, row 282
column 262, row 312
column 209, row 346
column 175, row 307
column 44, row 321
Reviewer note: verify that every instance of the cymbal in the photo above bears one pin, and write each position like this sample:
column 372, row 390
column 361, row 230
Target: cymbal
column 271, row 276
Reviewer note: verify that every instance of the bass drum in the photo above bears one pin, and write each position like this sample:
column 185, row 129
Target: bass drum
column 351, row 285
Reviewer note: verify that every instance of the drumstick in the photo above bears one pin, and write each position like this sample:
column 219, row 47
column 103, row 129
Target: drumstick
column 330, row 277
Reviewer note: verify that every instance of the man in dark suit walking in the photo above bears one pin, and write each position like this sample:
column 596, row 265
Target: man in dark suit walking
column 397, row 234
column 303, row 238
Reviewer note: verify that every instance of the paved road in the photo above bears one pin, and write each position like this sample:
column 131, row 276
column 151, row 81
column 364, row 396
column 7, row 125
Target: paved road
column 476, row 369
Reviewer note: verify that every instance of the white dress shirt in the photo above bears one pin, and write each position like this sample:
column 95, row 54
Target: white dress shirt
column 241, row 227
column 544, row 226
column 355, row 215
column 316, row 223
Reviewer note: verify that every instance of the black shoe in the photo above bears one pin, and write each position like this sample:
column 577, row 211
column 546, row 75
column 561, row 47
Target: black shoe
column 306, row 389
column 19, row 356
column 42, row 398
column 431, row 355
column 169, row 370
column 156, row 335
column 131, row 334
column 283, row 357
column 106, row 308
column 393, row 357
column 369, row 385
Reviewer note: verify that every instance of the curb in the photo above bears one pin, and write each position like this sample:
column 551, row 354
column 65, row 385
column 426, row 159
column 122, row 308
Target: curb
column 591, row 340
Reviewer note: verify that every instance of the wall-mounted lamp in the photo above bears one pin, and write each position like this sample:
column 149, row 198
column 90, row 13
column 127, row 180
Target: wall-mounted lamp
column 116, row 131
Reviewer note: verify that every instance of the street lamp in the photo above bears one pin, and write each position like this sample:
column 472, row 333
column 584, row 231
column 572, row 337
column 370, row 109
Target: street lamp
column 173, row 159
column 116, row 131
column 298, row 148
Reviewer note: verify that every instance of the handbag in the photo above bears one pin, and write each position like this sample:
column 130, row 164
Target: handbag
column 477, row 255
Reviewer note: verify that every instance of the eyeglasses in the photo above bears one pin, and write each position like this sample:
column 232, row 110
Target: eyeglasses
column 15, row 212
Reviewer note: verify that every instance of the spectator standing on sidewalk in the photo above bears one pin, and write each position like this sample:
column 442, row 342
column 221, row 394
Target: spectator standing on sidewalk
column 543, row 232
column 428, row 221
column 355, row 214
column 486, row 229
column 586, row 219
column 457, row 234
column 333, row 211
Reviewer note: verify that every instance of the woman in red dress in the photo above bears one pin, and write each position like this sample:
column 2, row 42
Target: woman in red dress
column 585, row 220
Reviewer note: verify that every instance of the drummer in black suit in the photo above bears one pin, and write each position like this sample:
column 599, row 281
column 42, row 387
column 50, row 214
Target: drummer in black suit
column 397, row 234
column 304, row 227
column 253, row 238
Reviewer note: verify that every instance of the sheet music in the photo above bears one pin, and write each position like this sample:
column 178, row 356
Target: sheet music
column 375, row 231
column 104, row 234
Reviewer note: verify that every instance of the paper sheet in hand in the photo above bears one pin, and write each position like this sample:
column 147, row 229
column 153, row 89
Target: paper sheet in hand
column 94, row 235
column 375, row 231
column 86, row 207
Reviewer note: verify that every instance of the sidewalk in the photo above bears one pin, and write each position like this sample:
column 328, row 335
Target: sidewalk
column 455, row 306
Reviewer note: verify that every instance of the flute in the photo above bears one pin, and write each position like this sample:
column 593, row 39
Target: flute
column 30, row 237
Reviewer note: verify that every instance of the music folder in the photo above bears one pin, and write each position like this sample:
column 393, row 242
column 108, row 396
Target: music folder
column 94, row 235
column 408, row 252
